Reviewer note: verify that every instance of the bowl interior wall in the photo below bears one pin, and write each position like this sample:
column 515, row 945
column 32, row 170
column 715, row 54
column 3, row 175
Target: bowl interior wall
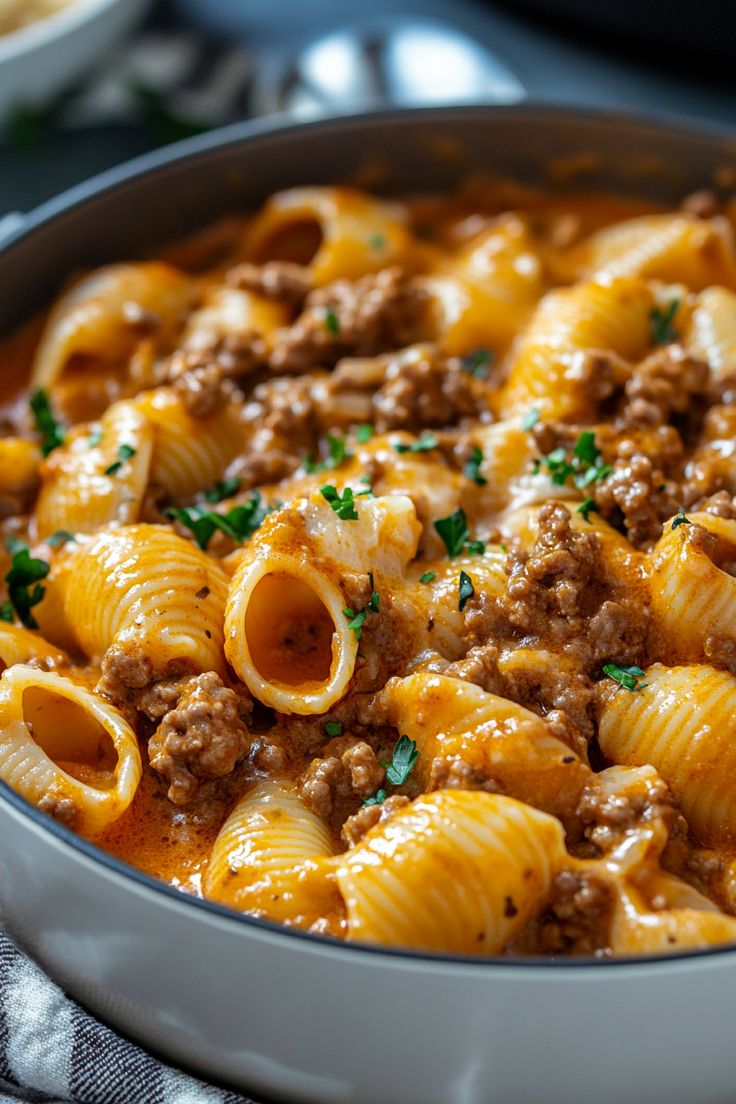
column 128, row 211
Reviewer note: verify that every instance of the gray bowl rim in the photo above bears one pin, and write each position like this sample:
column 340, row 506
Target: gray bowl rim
column 275, row 127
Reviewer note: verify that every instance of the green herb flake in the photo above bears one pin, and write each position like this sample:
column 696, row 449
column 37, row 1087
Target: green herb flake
column 356, row 621
column 332, row 322
column 478, row 363
column 94, row 438
column 585, row 447
column 125, row 453
column 343, row 504
column 224, row 488
column 472, row 467
column 628, row 677
column 333, row 728
column 401, row 763
column 584, row 466
column 357, row 618
column 661, row 330
column 238, row 524
column 24, row 574
column 428, row 576
column 586, row 508
column 337, row 452
column 466, row 589
column 680, row 519
column 530, row 419
column 424, row 443
column 378, row 798
column 377, row 241
column 61, row 536
column 363, row 433
column 453, row 530
column 52, row 434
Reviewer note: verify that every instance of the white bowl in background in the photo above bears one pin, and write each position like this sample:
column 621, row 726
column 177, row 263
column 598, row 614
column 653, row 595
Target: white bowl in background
column 43, row 58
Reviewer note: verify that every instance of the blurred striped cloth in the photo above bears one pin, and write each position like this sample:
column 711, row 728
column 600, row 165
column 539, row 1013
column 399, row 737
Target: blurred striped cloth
column 175, row 81
column 53, row 1052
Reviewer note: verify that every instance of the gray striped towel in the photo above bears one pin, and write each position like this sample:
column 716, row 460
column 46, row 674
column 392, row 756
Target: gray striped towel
column 51, row 1051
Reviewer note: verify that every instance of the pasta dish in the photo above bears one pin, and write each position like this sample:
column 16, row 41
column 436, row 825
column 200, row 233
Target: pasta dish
column 16, row 14
column 369, row 567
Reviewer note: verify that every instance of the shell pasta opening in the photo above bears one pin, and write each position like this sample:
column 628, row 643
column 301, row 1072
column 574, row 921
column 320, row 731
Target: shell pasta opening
column 297, row 239
column 66, row 750
column 70, row 735
column 289, row 633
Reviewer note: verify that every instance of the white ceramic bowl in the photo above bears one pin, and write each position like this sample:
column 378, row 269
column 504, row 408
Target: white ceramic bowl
column 240, row 1000
column 47, row 56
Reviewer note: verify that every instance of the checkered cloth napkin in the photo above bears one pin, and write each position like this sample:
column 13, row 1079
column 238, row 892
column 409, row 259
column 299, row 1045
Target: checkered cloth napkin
column 52, row 1051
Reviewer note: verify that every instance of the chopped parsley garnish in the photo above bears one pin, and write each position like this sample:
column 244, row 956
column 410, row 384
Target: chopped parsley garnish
column 466, row 588
column 337, row 452
column 586, row 508
column 332, row 322
column 364, row 433
column 378, row 798
column 478, row 363
column 377, row 241
column 680, row 519
column 424, row 443
column 530, row 419
column 61, row 536
column 52, row 434
column 224, row 488
column 660, row 323
column 428, row 576
column 454, row 532
column 333, row 728
column 628, row 677
column 125, row 453
column 343, row 504
column 94, row 438
column 25, row 571
column 585, row 448
column 6, row 612
column 398, row 767
column 472, row 467
column 401, row 764
column 584, row 467
column 357, row 618
column 238, row 524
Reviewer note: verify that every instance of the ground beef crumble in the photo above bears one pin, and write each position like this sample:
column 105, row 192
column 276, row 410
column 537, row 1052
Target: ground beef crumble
column 356, row 826
column 577, row 918
column 352, row 317
column 424, row 388
column 665, row 383
column 331, row 785
column 202, row 737
column 284, row 281
column 203, row 370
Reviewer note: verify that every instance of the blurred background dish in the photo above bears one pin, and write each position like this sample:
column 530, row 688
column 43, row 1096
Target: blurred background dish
column 44, row 55
column 198, row 64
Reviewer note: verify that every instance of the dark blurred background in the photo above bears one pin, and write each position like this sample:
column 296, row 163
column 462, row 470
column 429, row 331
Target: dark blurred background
column 191, row 65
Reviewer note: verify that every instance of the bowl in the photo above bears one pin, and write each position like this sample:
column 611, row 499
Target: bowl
column 46, row 57
column 237, row 999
